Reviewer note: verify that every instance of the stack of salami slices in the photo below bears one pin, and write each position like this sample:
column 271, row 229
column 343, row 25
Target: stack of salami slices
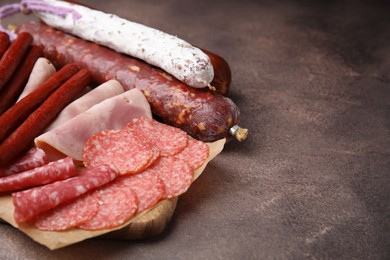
column 127, row 172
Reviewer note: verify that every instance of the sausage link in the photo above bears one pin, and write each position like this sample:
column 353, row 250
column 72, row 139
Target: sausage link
column 5, row 42
column 13, row 56
column 24, row 135
column 14, row 87
column 15, row 115
column 222, row 73
column 202, row 113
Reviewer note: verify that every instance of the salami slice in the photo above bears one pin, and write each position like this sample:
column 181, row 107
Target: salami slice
column 35, row 157
column 170, row 140
column 148, row 187
column 195, row 153
column 54, row 171
column 126, row 150
column 29, row 203
column 69, row 215
column 118, row 204
column 176, row 175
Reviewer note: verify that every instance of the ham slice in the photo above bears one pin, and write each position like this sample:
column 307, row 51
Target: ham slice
column 114, row 113
column 42, row 70
column 106, row 90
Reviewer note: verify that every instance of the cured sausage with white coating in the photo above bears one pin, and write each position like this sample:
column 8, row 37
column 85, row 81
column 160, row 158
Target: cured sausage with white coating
column 203, row 114
column 175, row 56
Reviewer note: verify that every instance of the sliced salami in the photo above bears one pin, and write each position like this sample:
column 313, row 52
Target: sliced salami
column 148, row 187
column 176, row 175
column 35, row 157
column 118, row 204
column 126, row 150
column 69, row 215
column 195, row 153
column 32, row 202
column 54, row 171
column 170, row 140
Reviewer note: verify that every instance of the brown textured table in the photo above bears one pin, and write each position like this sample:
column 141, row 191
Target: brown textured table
column 312, row 79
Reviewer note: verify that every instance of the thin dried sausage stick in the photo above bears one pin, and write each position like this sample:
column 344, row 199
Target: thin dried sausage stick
column 15, row 86
column 13, row 56
column 14, row 116
column 21, row 138
column 5, row 42
column 203, row 114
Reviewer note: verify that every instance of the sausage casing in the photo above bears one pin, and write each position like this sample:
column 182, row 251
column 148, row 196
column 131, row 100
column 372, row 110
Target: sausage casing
column 202, row 113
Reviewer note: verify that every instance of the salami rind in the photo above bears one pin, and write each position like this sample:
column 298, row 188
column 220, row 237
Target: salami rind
column 124, row 149
column 148, row 187
column 169, row 140
column 176, row 175
column 32, row 202
column 51, row 172
column 118, row 204
column 33, row 158
column 195, row 153
column 69, row 215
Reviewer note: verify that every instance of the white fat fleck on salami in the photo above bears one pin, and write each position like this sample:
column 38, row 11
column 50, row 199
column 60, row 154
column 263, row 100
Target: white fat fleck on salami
column 32, row 202
column 69, row 215
column 195, row 153
column 176, row 175
column 124, row 149
column 148, row 187
column 48, row 173
column 176, row 56
column 118, row 204
column 33, row 158
column 169, row 140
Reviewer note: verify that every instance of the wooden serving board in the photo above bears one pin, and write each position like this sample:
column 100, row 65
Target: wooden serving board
column 145, row 225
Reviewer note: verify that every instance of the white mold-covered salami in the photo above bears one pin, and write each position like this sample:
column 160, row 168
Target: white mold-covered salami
column 176, row 56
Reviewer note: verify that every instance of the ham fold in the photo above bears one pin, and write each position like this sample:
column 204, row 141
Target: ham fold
column 43, row 69
column 106, row 90
column 114, row 113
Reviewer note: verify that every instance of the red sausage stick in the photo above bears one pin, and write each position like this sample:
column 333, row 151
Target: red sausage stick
column 14, row 116
column 13, row 56
column 4, row 43
column 22, row 137
column 15, row 86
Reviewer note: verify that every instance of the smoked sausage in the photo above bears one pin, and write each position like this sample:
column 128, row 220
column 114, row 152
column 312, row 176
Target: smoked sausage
column 13, row 56
column 15, row 85
column 4, row 43
column 23, row 136
column 14, row 116
column 202, row 113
